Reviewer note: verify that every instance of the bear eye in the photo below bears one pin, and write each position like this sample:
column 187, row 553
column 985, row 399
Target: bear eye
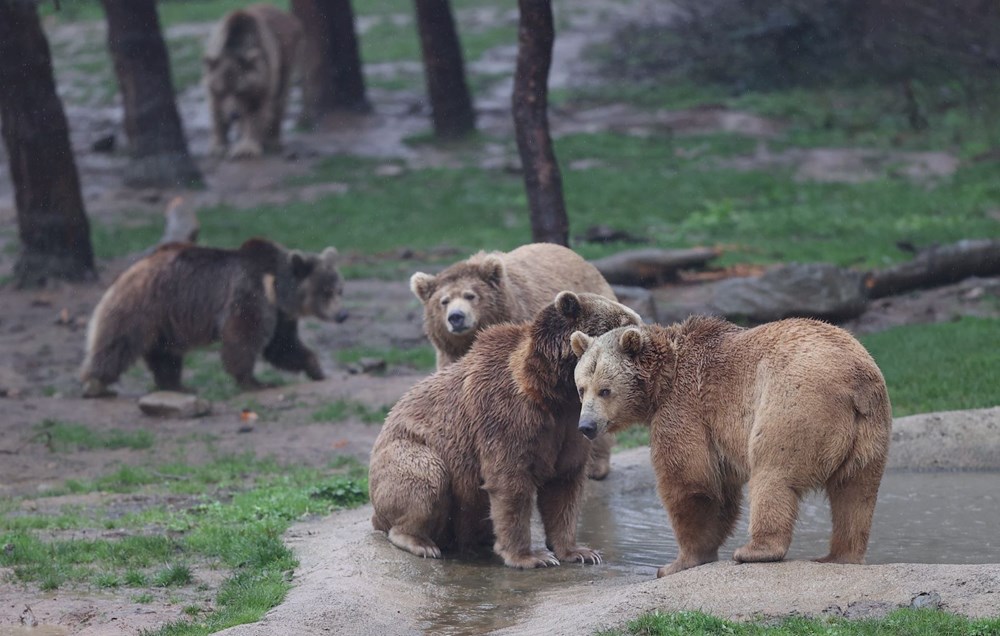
column 604, row 393
column 582, row 391
column 445, row 300
column 469, row 296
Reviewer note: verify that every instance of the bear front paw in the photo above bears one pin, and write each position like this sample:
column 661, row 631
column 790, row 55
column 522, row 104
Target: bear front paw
column 246, row 149
column 534, row 559
column 581, row 554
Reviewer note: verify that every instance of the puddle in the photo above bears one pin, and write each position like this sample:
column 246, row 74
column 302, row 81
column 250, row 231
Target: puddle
column 920, row 518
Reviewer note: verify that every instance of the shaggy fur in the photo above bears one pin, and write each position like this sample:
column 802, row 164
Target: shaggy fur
column 183, row 296
column 496, row 287
column 790, row 406
column 248, row 64
column 465, row 453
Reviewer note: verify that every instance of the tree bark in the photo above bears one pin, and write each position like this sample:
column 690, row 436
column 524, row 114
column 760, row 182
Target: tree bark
column 157, row 145
column 332, row 79
column 51, row 220
column 444, row 70
column 542, row 178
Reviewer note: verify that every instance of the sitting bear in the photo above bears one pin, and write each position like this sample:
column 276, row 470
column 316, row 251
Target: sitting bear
column 248, row 65
column 183, row 296
column 464, row 454
column 490, row 288
column 790, row 406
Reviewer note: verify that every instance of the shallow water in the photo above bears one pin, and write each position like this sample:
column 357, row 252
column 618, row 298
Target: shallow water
column 920, row 518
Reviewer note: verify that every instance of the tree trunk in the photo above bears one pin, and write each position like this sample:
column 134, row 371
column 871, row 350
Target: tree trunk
column 542, row 179
column 451, row 103
column 157, row 145
column 936, row 266
column 51, row 220
column 331, row 61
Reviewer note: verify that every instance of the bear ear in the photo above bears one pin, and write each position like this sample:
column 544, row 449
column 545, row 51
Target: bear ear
column 302, row 264
column 580, row 342
column 631, row 342
column 423, row 285
column 568, row 304
column 492, row 271
column 329, row 256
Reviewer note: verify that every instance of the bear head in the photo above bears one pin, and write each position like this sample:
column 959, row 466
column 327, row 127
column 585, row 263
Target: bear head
column 313, row 285
column 464, row 298
column 236, row 68
column 612, row 377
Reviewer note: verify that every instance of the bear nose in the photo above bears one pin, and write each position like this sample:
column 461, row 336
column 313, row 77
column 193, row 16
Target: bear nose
column 456, row 319
column 341, row 316
column 588, row 428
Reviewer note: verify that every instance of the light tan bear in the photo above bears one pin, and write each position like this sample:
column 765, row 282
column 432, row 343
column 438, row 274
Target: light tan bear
column 248, row 64
column 494, row 287
column 789, row 406
column 183, row 296
column 466, row 453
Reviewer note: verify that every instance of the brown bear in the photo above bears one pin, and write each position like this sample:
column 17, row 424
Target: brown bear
column 790, row 406
column 464, row 455
column 248, row 65
column 494, row 287
column 183, row 296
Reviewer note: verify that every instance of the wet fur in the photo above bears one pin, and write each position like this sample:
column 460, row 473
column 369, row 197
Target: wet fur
column 248, row 65
column 183, row 296
column 790, row 406
column 465, row 454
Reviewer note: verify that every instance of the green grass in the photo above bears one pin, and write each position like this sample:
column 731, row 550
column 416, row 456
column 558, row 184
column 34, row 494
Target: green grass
column 342, row 410
column 68, row 436
column 246, row 505
column 939, row 367
column 420, row 358
column 903, row 622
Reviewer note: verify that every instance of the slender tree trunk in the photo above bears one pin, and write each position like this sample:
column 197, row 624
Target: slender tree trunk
column 51, row 220
column 451, row 103
column 331, row 60
column 157, row 145
column 542, row 178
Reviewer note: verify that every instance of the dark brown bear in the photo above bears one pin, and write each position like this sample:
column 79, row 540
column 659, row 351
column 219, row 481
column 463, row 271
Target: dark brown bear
column 465, row 454
column 183, row 296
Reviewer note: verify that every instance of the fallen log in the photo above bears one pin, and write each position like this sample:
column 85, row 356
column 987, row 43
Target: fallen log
column 936, row 266
column 652, row 267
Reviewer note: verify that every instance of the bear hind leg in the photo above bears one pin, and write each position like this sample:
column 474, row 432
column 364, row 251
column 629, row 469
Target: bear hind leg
column 852, row 505
column 166, row 368
column 774, row 507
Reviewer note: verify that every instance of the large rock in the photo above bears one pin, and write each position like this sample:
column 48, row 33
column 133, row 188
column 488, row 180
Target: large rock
column 953, row 440
column 173, row 404
column 811, row 290
column 638, row 299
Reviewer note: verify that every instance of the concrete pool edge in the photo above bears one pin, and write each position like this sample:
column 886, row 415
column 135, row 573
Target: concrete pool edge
column 350, row 581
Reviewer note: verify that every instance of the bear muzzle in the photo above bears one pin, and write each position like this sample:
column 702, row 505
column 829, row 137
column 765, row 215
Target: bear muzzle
column 457, row 322
column 588, row 427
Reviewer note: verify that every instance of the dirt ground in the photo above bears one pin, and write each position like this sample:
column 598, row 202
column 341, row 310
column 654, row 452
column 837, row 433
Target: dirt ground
column 41, row 347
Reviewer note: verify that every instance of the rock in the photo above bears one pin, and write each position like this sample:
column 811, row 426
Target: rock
column 957, row 440
column 638, row 299
column 651, row 267
column 926, row 600
column 104, row 144
column 372, row 365
column 173, row 404
column 608, row 234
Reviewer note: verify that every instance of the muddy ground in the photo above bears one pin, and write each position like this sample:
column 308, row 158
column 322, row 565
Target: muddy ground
column 41, row 341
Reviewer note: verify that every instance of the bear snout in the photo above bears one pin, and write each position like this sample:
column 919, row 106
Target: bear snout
column 589, row 428
column 456, row 322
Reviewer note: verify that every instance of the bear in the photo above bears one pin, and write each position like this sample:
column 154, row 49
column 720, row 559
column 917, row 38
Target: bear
column 464, row 455
column 248, row 64
column 788, row 406
column 184, row 296
column 493, row 287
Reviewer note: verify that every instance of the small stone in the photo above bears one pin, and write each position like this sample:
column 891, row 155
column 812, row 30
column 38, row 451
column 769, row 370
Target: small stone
column 926, row 600
column 372, row 365
column 174, row 404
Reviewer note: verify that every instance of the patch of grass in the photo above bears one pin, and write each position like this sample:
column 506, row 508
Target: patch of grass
column 939, row 367
column 903, row 622
column 175, row 574
column 68, row 436
column 421, row 358
column 341, row 410
column 632, row 437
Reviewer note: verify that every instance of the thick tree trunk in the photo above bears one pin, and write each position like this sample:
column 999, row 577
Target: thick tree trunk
column 53, row 227
column 542, row 178
column 331, row 60
column 156, row 140
column 444, row 70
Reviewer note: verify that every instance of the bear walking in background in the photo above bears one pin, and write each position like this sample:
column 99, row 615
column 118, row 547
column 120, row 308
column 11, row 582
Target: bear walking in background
column 790, row 406
column 248, row 65
column 183, row 296
column 464, row 455
column 494, row 287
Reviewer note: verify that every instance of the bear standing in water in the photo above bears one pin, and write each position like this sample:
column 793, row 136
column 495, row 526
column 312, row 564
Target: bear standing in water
column 464, row 455
column 790, row 406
